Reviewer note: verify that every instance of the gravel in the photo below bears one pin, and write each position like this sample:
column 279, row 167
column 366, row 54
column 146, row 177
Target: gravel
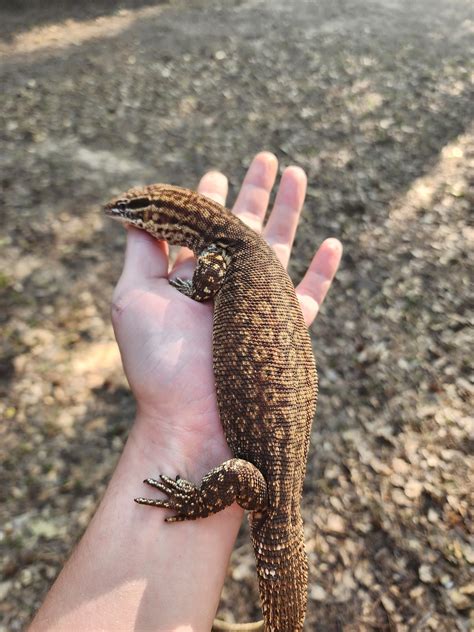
column 373, row 100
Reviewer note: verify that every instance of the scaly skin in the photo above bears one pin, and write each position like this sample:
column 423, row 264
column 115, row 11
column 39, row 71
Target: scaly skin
column 266, row 385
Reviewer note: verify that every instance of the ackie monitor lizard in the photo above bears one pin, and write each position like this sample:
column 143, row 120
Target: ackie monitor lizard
column 266, row 385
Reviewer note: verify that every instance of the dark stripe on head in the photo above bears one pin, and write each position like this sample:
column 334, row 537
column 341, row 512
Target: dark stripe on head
column 141, row 202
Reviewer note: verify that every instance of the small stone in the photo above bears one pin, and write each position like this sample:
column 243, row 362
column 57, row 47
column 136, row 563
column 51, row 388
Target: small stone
column 242, row 571
column 425, row 574
column 42, row 528
column 336, row 524
column 26, row 577
column 459, row 601
column 400, row 466
column 388, row 603
column 5, row 589
column 433, row 515
column 65, row 420
column 399, row 498
column 468, row 553
column 51, row 572
column 397, row 480
column 468, row 589
column 318, row 593
column 343, row 589
column 413, row 489
column 417, row 592
column 363, row 574
column 446, row 581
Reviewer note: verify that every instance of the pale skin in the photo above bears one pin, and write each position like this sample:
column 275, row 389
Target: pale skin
column 131, row 570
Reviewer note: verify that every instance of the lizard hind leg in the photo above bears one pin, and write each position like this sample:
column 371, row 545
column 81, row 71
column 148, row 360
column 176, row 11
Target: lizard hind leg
column 234, row 480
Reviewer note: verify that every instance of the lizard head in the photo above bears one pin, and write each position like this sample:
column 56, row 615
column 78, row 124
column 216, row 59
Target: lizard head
column 179, row 216
column 161, row 210
column 134, row 207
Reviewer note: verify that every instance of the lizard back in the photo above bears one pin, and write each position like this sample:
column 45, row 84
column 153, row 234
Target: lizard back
column 266, row 391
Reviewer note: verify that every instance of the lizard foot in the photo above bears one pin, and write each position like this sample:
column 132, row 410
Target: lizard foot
column 185, row 286
column 234, row 480
column 183, row 497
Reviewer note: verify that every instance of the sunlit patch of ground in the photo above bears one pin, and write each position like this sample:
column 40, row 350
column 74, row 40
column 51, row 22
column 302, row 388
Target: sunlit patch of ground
column 72, row 33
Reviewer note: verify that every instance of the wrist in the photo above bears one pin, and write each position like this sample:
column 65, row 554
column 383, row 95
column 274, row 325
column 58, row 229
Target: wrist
column 191, row 447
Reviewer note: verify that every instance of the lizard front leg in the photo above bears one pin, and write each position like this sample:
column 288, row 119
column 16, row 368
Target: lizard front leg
column 208, row 276
column 234, row 480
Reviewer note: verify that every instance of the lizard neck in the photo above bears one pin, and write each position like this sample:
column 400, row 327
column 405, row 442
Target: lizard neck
column 183, row 217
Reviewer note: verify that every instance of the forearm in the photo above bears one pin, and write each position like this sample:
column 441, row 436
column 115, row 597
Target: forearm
column 133, row 571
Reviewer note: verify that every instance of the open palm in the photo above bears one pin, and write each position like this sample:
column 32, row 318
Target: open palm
column 165, row 338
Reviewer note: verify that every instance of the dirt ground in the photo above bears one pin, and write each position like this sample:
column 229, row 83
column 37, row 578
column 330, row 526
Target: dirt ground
column 372, row 99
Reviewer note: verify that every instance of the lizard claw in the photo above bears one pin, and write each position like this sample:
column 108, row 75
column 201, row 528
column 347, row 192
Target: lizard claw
column 183, row 497
column 165, row 485
column 155, row 502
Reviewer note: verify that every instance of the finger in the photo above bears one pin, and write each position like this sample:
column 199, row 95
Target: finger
column 213, row 185
column 281, row 226
column 145, row 257
column 318, row 278
column 252, row 201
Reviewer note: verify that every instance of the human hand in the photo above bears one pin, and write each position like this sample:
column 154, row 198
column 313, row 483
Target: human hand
column 165, row 338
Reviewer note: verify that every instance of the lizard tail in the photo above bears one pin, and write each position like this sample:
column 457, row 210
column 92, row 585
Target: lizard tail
column 282, row 567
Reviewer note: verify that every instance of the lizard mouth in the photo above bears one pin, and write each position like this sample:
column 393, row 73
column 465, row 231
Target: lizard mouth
column 119, row 213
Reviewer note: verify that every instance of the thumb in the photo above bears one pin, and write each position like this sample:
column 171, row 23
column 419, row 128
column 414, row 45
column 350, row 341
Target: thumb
column 145, row 257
